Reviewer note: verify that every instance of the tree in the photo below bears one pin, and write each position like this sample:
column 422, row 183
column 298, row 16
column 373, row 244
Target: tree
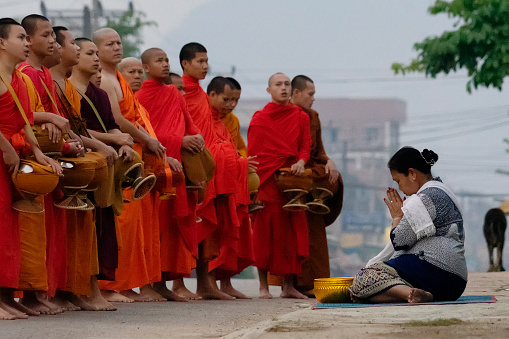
column 479, row 43
column 129, row 26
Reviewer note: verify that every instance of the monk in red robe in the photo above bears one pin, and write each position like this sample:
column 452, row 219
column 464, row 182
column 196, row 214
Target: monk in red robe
column 139, row 221
column 12, row 144
column 279, row 136
column 218, row 210
column 176, row 130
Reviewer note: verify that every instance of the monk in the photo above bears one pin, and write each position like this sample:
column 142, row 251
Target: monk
column 217, row 211
column 83, row 266
column 236, row 248
column 110, row 134
column 132, row 71
column 176, row 80
column 46, row 280
column 139, row 222
column 13, row 50
column 279, row 136
column 174, row 127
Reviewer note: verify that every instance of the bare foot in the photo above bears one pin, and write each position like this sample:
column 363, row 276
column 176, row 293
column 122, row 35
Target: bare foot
column 82, row 303
column 10, row 313
column 180, row 289
column 99, row 303
column 4, row 315
column 160, row 287
column 43, row 299
column 115, row 297
column 309, row 293
column 419, row 296
column 63, row 303
column 148, row 291
column 233, row 292
column 213, row 294
column 291, row 292
column 18, row 306
column 135, row 296
column 265, row 294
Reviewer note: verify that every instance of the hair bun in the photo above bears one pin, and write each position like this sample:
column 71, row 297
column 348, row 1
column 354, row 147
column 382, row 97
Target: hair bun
column 429, row 156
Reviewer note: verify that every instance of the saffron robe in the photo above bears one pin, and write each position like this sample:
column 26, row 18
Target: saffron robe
column 11, row 123
column 231, row 122
column 177, row 217
column 221, row 229
column 82, row 258
column 279, row 136
column 107, row 245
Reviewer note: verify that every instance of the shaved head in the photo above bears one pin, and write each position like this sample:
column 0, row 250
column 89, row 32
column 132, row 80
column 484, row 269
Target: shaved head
column 277, row 75
column 29, row 22
column 128, row 62
column 99, row 35
column 149, row 54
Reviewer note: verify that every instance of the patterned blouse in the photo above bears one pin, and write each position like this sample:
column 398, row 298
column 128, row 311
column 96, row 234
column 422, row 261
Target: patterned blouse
column 446, row 248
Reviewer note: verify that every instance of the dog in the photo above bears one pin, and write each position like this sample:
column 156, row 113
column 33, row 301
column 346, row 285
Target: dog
column 494, row 227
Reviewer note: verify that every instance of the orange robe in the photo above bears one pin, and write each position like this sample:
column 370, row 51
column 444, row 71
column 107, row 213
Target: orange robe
column 139, row 258
column 220, row 222
column 278, row 136
column 177, row 218
column 82, row 257
column 231, row 122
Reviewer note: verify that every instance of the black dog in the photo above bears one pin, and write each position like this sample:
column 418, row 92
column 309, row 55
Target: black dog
column 495, row 224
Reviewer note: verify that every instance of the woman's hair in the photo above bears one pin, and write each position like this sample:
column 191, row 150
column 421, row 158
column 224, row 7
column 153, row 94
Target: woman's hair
column 408, row 157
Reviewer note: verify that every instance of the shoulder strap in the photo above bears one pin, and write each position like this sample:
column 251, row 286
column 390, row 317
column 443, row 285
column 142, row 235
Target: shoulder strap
column 49, row 94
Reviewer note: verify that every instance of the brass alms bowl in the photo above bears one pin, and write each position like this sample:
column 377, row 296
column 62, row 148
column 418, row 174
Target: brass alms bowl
column 333, row 290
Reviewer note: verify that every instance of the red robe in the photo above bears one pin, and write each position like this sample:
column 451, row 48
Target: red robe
column 177, row 218
column 279, row 136
column 219, row 218
column 11, row 123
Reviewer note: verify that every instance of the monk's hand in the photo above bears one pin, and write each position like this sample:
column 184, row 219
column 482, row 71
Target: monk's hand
column 298, row 168
column 192, row 144
column 47, row 161
column 54, row 133
column 127, row 153
column 155, row 146
column 75, row 147
column 174, row 164
column 122, row 139
column 109, row 153
column 61, row 122
column 330, row 168
column 394, row 203
column 252, row 164
column 201, row 141
column 11, row 159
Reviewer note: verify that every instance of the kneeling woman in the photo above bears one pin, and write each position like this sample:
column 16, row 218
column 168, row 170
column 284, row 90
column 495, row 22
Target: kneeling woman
column 424, row 261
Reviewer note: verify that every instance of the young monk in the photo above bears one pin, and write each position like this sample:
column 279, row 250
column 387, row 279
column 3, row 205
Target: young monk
column 279, row 136
column 235, row 253
column 82, row 233
column 13, row 50
column 132, row 71
column 42, row 42
column 175, row 128
column 218, row 209
column 176, row 80
column 325, row 174
column 138, row 223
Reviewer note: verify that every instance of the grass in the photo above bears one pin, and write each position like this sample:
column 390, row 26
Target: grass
column 436, row 322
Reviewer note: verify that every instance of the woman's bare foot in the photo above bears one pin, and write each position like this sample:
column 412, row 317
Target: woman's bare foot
column 291, row 292
column 135, row 296
column 12, row 313
column 419, row 296
column 115, row 297
column 181, row 289
column 227, row 287
column 265, row 294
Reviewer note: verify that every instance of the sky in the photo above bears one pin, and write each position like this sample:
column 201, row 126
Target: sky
column 347, row 48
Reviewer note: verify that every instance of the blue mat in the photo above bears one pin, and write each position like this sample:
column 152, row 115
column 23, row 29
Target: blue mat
column 466, row 299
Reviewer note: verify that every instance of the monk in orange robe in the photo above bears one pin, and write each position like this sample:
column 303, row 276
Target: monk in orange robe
column 176, row 130
column 12, row 144
column 279, row 136
column 139, row 221
column 83, row 265
column 216, row 231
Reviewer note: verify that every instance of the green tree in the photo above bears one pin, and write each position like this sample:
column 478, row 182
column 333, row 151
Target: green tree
column 479, row 43
column 129, row 27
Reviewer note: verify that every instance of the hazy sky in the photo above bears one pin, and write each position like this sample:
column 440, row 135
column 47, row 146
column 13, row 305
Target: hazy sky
column 347, row 47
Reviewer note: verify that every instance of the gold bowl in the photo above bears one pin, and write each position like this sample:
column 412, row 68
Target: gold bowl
column 333, row 290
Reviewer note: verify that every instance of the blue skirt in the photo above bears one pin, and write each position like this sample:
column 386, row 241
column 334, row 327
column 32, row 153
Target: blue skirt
column 445, row 286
